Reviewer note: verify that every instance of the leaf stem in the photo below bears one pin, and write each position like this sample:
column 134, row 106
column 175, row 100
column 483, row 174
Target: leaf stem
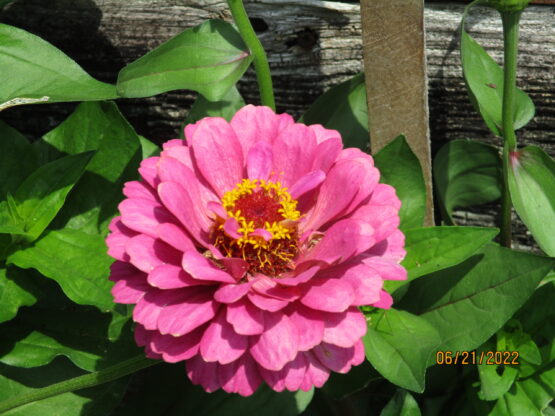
column 511, row 21
column 261, row 66
column 77, row 383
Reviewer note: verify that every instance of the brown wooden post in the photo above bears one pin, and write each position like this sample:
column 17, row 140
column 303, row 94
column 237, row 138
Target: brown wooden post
column 396, row 82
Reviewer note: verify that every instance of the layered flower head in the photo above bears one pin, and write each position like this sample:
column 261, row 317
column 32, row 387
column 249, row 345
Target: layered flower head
column 248, row 247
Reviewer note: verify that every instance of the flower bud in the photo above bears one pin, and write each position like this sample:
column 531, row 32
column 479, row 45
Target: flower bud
column 508, row 5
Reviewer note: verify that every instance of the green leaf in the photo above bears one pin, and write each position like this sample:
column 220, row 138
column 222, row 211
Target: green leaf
column 16, row 290
column 538, row 311
column 226, row 107
column 37, row 72
column 532, row 188
column 209, row 59
column 148, row 149
column 166, row 391
column 484, row 80
column 17, row 159
column 341, row 385
column 469, row 302
column 466, row 173
column 399, row 345
column 95, row 401
column 493, row 385
column 42, row 194
column 430, row 249
column 102, row 128
column 401, row 404
column 343, row 108
column 38, row 335
column 76, row 260
column 400, row 168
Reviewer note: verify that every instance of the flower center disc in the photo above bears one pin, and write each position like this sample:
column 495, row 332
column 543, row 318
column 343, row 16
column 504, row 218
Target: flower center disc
column 267, row 218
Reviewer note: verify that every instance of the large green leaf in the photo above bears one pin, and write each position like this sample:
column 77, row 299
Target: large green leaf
column 469, row 302
column 39, row 198
column 99, row 127
column 466, row 173
column 532, row 188
column 17, row 159
column 399, row 345
column 16, row 290
column 76, row 260
column 38, row 335
column 34, row 71
column 343, row 108
column 95, row 401
column 340, row 385
column 430, row 249
column 401, row 404
column 484, row 79
column 209, row 59
column 166, row 391
column 400, row 168
column 226, row 107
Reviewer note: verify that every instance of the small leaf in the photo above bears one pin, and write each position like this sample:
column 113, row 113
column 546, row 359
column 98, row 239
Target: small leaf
column 492, row 384
column 399, row 345
column 37, row 72
column 209, row 59
column 343, row 108
column 148, row 149
column 17, row 159
column 400, row 168
column 484, row 79
column 16, row 290
column 466, row 173
column 76, row 260
column 532, row 188
column 430, row 249
column 42, row 194
column 470, row 302
column 226, row 107
column 401, row 404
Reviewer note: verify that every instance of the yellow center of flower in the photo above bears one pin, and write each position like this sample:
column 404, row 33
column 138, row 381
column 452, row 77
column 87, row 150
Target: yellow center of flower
column 267, row 217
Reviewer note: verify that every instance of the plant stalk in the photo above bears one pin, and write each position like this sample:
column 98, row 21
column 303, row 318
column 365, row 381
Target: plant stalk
column 510, row 39
column 261, row 66
column 77, row 383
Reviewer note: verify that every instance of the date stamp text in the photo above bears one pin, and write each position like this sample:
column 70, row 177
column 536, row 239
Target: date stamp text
column 475, row 357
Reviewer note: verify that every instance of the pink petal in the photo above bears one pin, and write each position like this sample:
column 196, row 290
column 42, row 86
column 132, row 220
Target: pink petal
column 345, row 329
column 144, row 215
column 307, row 183
column 278, row 344
column 316, row 373
column 322, row 134
column 385, row 301
column 343, row 240
column 233, row 265
column 310, row 325
column 190, row 310
column 175, row 236
column 199, row 267
column 270, row 287
column 231, row 228
column 221, row 343
column 327, row 153
column 217, row 209
column 267, row 303
column 146, row 253
column 261, row 232
column 328, row 294
column 218, row 154
column 117, row 239
column 190, row 130
column 245, row 318
column 290, row 377
column 175, row 349
column 203, row 373
column 149, row 172
column 240, row 376
column 232, row 293
column 130, row 284
column 259, row 160
column 391, row 249
column 168, row 276
column 294, row 151
column 335, row 358
column 148, row 308
column 142, row 336
column 179, row 203
column 136, row 189
column 302, row 274
column 386, row 269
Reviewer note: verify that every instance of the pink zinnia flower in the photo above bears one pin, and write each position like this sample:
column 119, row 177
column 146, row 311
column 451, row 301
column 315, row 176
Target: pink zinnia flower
column 247, row 248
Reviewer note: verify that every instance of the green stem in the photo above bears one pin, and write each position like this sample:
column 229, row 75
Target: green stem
column 510, row 38
column 261, row 66
column 88, row 380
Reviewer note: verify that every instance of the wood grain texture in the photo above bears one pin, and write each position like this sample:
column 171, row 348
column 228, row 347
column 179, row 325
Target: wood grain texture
column 311, row 45
column 396, row 83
